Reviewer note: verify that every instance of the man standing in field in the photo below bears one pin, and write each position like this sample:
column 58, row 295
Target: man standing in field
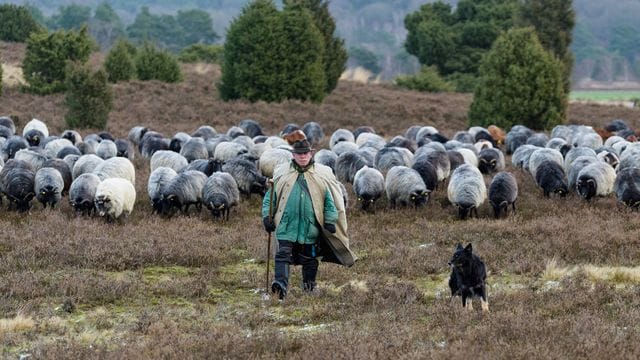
column 308, row 217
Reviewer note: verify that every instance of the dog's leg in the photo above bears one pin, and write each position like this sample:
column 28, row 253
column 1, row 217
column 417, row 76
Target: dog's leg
column 485, row 304
column 466, row 303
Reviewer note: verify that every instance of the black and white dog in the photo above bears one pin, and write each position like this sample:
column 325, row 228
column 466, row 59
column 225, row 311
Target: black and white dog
column 468, row 277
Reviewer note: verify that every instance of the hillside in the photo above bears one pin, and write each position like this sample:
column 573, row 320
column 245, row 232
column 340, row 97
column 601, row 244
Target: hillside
column 563, row 273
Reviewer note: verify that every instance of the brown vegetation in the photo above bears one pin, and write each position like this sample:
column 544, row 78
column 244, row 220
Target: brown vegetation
column 189, row 287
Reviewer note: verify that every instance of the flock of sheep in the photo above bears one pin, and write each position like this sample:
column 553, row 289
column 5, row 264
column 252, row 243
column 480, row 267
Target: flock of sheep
column 212, row 169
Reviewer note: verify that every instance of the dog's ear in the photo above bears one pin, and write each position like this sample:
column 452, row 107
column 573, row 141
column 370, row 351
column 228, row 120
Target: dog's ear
column 469, row 248
column 459, row 247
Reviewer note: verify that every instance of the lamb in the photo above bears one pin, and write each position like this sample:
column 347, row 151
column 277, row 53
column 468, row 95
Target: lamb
column 427, row 171
column 116, row 167
column 341, row 135
column 627, row 187
column 347, row 164
column 247, row 176
column 368, row 184
column 107, row 149
column 194, row 149
column 157, row 185
column 271, row 158
column 17, row 184
column 596, row 179
column 170, row 159
column 37, row 125
column 550, row 178
column 503, row 191
column 404, row 186
column 389, row 157
column 82, row 193
column 114, row 197
column 48, row 185
column 490, row 160
column 183, row 191
column 467, row 190
column 541, row 155
column 251, row 128
column 85, row 164
column 427, row 133
column 314, row 132
column 220, row 193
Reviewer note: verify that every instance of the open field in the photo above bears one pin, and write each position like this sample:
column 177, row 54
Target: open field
column 563, row 277
column 605, row 95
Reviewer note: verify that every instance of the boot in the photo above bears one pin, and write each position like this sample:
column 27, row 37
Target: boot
column 278, row 290
column 308, row 286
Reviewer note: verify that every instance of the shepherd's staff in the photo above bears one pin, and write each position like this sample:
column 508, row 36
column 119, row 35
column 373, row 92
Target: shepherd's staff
column 271, row 190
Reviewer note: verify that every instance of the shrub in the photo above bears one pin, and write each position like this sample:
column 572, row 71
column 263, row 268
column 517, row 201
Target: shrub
column 17, row 23
column 155, row 64
column 210, row 54
column 119, row 63
column 44, row 63
column 520, row 83
column 88, row 98
column 427, row 80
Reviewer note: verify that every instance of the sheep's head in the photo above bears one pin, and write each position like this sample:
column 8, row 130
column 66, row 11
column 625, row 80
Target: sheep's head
column 217, row 207
column 561, row 191
column 500, row 209
column 586, row 188
column 49, row 195
column 367, row 202
column 103, row 205
column 419, row 198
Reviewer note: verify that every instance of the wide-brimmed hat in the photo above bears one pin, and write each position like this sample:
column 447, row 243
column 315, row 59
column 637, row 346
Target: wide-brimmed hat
column 301, row 147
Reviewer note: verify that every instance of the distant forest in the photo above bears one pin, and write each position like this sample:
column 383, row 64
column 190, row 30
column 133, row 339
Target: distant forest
column 606, row 39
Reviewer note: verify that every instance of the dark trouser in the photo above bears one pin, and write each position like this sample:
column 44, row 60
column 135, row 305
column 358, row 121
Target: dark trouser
column 296, row 254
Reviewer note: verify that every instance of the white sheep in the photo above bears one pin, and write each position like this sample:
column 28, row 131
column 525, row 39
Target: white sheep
column 114, row 197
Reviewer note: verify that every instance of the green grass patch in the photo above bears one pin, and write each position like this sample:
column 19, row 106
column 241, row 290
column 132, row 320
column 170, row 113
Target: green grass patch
column 605, row 95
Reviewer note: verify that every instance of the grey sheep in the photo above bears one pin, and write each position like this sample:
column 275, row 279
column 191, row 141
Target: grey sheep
column 12, row 146
column 341, row 135
column 205, row 166
column 170, row 159
column 630, row 157
column 8, row 123
column 404, row 187
column 467, row 190
column 85, row 164
column 362, row 130
column 52, row 147
column 520, row 157
column 17, row 184
column 627, row 187
column 48, row 186
column 34, row 137
column 576, row 166
column 71, row 160
column 68, row 150
column 609, row 156
column 326, row 157
column 220, row 193
column 36, row 160
column 314, row 132
column 178, row 140
column 439, row 159
column 503, row 192
column 369, row 155
column 37, row 125
column 517, row 137
column 227, row 150
column 247, row 176
column 107, row 149
column 389, row 157
column 157, row 185
column 5, row 132
column 428, row 171
column 183, row 191
column 347, row 164
column 490, row 160
column 151, row 145
column 371, row 140
column 124, row 149
column 464, row 137
column 205, row 131
column 235, row 131
column 271, row 158
column 575, row 153
column 82, row 193
column 87, row 147
column 402, row 142
column 136, row 133
column 538, row 139
column 72, row 136
column 541, row 155
column 116, row 167
column 251, row 128
column 343, row 147
column 455, row 159
column 550, row 177
column 368, row 184
column 64, row 171
column 245, row 141
column 595, row 179
column 194, row 148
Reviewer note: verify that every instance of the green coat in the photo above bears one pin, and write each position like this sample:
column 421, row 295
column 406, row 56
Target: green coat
column 298, row 222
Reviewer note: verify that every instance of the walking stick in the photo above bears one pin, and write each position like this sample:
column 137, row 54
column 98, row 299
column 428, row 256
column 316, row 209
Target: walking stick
column 270, row 183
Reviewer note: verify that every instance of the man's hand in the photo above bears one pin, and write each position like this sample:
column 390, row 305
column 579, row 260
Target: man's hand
column 330, row 227
column 269, row 226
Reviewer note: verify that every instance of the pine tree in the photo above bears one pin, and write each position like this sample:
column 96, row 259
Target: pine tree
column 119, row 63
column 17, row 23
column 88, row 98
column 553, row 21
column 335, row 54
column 520, row 83
column 152, row 63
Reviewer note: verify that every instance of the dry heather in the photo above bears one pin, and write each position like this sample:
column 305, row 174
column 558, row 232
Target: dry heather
column 562, row 272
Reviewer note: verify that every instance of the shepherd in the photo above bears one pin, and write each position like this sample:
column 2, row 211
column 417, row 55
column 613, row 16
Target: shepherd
column 308, row 217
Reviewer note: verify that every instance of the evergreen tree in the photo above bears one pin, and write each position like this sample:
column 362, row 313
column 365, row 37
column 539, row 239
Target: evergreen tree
column 520, row 83
column 152, row 63
column 17, row 23
column 73, row 16
column 553, row 21
column 119, row 63
column 272, row 55
column 44, row 63
column 106, row 26
column 163, row 30
column 197, row 26
column 88, row 98
column 335, row 54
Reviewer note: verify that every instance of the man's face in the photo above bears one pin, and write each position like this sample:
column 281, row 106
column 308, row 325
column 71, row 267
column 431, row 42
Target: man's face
column 303, row 159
